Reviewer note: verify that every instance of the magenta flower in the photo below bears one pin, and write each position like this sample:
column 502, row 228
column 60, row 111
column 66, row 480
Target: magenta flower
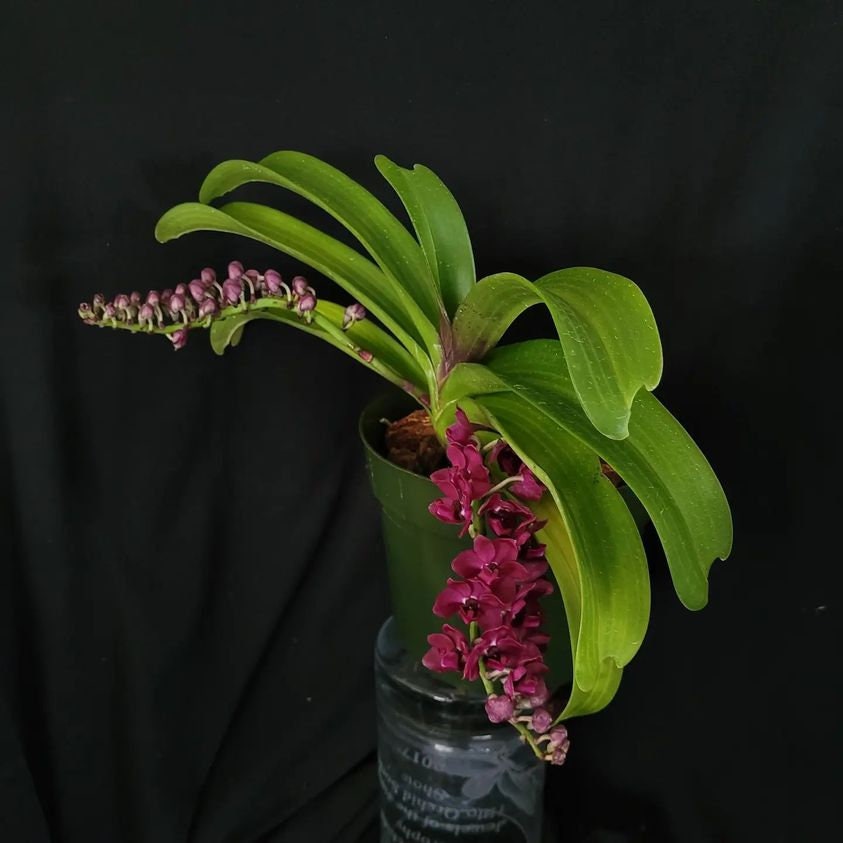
column 510, row 518
column 508, row 461
column 499, row 708
column 448, row 650
column 500, row 650
column 489, row 560
column 468, row 461
column 528, row 488
column 472, row 601
column 461, row 432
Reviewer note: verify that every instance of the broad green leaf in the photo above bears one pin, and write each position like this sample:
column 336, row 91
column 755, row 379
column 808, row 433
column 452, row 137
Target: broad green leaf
column 354, row 273
column 439, row 225
column 225, row 332
column 605, row 550
column 611, row 342
column 380, row 233
column 566, row 573
column 658, row 460
column 605, row 327
column 490, row 308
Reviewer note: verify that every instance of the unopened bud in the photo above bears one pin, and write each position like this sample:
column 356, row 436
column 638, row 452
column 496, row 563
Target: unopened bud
column 353, row 313
column 235, row 269
column 300, row 285
column 121, row 302
column 198, row 290
column 207, row 308
column 178, row 338
column 232, row 289
column 208, row 275
column 307, row 303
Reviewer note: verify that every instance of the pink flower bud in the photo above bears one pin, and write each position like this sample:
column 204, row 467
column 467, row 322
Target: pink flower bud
column 558, row 736
column 208, row 275
column 121, row 302
column 207, row 308
column 135, row 298
column 198, row 290
column 366, row 357
column 153, row 298
column 99, row 301
column 300, row 285
column 166, row 295
column 85, row 311
column 306, row 304
column 353, row 313
column 176, row 302
column 272, row 280
column 182, row 290
column 178, row 338
column 109, row 311
column 232, row 289
column 541, row 720
column 145, row 314
column 499, row 708
column 558, row 756
column 235, row 269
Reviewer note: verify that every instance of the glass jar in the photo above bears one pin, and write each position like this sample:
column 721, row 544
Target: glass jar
column 446, row 773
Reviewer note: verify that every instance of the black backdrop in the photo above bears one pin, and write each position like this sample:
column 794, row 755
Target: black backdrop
column 191, row 570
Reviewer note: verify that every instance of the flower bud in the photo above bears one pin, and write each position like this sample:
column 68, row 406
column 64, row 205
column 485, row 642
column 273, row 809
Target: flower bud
column 208, row 275
column 178, row 338
column 182, row 290
column 135, row 298
column 198, row 290
column 109, row 311
column 166, row 295
column 306, row 304
column 207, row 308
column 235, row 269
column 121, row 302
column 558, row 736
column 153, row 298
column 272, row 281
column 541, row 720
column 558, row 756
column 365, row 355
column 145, row 314
column 499, row 708
column 85, row 311
column 300, row 285
column 232, row 289
column 176, row 302
column 353, row 313
column 99, row 301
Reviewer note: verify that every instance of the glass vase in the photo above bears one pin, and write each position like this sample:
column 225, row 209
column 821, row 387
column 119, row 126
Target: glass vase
column 446, row 773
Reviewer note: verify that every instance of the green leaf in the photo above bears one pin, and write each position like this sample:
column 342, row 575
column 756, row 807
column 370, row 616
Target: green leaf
column 354, row 273
column 380, row 233
column 602, row 573
column 658, row 460
column 605, row 327
column 439, row 225
column 490, row 308
column 610, row 339
column 226, row 332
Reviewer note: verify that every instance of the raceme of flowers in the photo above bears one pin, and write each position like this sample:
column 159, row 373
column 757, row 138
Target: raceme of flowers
column 498, row 586
column 173, row 312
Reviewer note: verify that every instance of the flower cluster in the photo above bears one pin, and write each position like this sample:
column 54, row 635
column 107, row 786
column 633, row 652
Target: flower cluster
column 499, row 583
column 173, row 312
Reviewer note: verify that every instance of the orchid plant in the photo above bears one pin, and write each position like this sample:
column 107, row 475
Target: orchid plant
column 529, row 427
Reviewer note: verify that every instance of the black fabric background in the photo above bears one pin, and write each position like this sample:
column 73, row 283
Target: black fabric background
column 191, row 575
